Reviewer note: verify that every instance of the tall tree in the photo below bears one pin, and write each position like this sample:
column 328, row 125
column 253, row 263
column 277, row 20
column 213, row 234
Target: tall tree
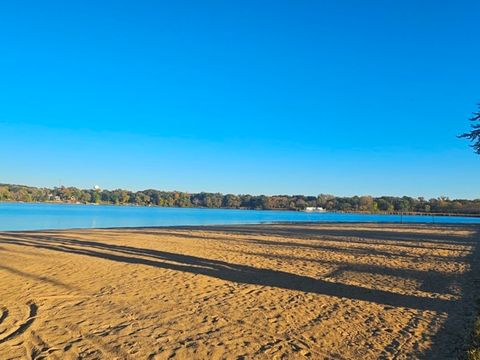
column 474, row 134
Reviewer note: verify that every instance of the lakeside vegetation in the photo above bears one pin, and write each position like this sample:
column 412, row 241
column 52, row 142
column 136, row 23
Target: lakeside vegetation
column 474, row 350
column 389, row 204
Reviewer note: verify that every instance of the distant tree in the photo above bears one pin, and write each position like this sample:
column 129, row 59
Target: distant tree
column 197, row 200
column 124, row 196
column 184, row 200
column 366, row 203
column 231, row 201
column 86, row 197
column 142, row 198
column 5, row 193
column 300, row 204
column 213, row 200
column 323, row 199
column 95, row 197
column 263, row 202
column 474, row 134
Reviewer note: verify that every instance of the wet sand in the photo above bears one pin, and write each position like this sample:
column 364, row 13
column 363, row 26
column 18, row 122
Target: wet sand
column 285, row 291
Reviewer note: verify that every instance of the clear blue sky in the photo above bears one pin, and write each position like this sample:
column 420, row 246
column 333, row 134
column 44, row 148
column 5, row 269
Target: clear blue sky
column 273, row 97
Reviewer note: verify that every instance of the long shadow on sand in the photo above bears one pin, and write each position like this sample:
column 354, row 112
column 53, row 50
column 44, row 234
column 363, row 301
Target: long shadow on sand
column 226, row 271
column 356, row 239
column 304, row 231
column 459, row 324
column 459, row 312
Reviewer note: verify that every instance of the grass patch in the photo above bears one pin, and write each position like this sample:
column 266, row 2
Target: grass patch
column 474, row 351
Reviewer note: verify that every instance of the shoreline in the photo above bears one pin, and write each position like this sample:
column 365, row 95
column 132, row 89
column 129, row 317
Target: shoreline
column 221, row 227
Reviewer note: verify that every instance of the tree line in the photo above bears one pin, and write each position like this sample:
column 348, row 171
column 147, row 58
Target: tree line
column 387, row 204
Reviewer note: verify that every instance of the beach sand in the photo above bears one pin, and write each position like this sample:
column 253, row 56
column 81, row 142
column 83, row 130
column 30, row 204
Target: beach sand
column 283, row 291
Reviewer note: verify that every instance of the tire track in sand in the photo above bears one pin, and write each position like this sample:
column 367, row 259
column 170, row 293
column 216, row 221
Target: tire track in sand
column 4, row 314
column 24, row 326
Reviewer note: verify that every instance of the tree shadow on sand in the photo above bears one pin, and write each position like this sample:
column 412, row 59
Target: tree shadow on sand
column 459, row 312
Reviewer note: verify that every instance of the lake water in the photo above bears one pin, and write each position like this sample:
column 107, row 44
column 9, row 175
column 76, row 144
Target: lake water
column 15, row 216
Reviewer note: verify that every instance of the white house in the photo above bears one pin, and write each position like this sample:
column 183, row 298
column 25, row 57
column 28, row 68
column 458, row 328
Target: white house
column 314, row 209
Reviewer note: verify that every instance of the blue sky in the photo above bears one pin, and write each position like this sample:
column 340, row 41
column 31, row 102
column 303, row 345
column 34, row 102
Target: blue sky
column 273, row 97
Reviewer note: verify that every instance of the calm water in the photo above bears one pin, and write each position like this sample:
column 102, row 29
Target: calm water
column 60, row 216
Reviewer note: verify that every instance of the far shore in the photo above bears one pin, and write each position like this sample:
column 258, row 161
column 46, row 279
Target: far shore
column 410, row 213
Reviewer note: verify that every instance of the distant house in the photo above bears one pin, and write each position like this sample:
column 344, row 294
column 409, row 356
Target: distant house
column 314, row 209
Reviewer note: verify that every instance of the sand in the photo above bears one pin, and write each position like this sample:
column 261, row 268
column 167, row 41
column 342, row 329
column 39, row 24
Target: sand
column 319, row 291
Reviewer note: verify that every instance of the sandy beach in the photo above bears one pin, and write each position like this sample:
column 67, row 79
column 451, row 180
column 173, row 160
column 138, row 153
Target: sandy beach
column 283, row 291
